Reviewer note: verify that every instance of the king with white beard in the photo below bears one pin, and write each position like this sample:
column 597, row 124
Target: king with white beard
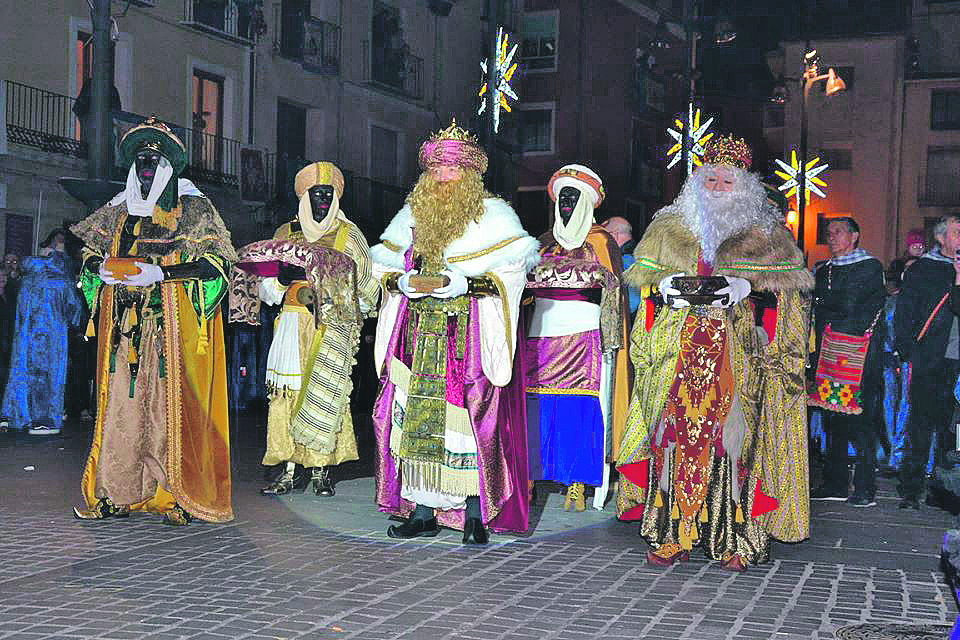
column 714, row 450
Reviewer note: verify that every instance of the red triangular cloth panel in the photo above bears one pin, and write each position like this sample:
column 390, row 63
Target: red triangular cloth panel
column 762, row 503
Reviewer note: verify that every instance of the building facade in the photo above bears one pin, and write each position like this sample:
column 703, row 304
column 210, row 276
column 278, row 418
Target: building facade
column 596, row 90
column 256, row 88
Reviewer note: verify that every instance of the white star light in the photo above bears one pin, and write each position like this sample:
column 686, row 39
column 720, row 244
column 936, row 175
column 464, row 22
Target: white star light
column 505, row 69
column 698, row 139
column 791, row 177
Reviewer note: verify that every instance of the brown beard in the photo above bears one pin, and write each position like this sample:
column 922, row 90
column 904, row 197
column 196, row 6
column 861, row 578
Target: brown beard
column 442, row 211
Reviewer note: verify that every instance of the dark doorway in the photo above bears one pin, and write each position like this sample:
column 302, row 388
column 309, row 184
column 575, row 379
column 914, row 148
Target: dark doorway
column 291, row 146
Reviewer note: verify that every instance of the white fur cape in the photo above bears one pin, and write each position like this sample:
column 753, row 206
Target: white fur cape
column 495, row 245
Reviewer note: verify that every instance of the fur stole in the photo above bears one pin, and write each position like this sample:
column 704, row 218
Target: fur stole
column 496, row 239
column 768, row 258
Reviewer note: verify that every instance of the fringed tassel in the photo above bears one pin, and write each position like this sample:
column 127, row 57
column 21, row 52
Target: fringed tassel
column 688, row 535
column 658, row 500
column 703, row 514
column 739, row 517
column 675, row 512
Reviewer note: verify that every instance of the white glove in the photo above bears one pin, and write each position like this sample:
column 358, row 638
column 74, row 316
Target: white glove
column 403, row 283
column 105, row 275
column 456, row 287
column 670, row 293
column 149, row 273
column 737, row 289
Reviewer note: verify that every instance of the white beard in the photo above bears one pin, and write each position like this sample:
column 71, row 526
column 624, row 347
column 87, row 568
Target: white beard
column 715, row 216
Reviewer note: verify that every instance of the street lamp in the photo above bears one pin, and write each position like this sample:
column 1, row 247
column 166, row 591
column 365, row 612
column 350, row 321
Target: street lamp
column 811, row 75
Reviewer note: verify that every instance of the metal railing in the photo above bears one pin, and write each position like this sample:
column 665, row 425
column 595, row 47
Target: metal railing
column 223, row 18
column 321, row 46
column 938, row 189
column 43, row 120
column 395, row 70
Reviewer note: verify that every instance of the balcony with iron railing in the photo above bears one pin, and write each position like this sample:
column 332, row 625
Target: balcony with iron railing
column 44, row 120
column 225, row 18
column 313, row 43
column 938, row 190
column 392, row 69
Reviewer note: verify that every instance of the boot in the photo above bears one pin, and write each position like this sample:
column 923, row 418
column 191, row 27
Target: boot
column 283, row 483
column 321, row 482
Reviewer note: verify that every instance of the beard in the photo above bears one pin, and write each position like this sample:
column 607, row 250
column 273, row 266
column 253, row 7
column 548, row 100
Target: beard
column 714, row 216
column 442, row 211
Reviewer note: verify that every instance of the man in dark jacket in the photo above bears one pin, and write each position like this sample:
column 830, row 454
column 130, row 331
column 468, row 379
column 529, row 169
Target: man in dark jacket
column 848, row 295
column 926, row 336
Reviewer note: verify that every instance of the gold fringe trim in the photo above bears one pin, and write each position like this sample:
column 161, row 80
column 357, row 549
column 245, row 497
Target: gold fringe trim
column 430, row 476
column 563, row 392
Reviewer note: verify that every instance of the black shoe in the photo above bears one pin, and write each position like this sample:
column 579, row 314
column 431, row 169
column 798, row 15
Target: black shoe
column 909, row 503
column 279, row 487
column 474, row 527
column 826, row 493
column 861, row 501
column 321, row 482
column 414, row 528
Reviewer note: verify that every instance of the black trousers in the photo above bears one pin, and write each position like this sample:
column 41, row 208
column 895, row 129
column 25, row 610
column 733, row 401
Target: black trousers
column 931, row 411
column 861, row 431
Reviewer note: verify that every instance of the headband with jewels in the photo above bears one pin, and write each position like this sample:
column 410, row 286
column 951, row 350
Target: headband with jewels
column 153, row 134
column 728, row 150
column 580, row 177
column 453, row 147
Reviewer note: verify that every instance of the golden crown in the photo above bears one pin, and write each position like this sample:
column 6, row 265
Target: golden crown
column 453, row 132
column 728, row 150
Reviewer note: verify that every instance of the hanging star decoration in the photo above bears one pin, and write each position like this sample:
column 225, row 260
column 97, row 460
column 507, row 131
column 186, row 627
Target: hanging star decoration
column 791, row 177
column 698, row 139
column 505, row 69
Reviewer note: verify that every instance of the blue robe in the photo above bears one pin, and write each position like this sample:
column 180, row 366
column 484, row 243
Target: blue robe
column 47, row 304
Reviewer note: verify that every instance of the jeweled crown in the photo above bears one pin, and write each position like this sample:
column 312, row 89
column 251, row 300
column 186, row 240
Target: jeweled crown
column 728, row 150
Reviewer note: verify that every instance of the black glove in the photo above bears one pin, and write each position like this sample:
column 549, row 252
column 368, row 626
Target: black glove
column 289, row 272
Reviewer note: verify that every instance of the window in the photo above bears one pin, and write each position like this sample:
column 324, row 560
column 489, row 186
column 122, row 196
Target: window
column 539, row 47
column 939, row 186
column 233, row 18
column 536, row 130
column 774, row 115
column 207, row 137
column 384, row 165
column 292, row 16
column 945, row 109
column 212, row 14
column 84, row 57
column 838, row 159
column 392, row 63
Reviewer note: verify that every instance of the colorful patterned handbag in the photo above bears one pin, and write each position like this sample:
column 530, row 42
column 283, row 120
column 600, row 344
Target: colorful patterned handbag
column 839, row 371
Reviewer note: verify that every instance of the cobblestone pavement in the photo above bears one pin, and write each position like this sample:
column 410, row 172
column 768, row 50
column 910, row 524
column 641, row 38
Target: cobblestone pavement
column 305, row 567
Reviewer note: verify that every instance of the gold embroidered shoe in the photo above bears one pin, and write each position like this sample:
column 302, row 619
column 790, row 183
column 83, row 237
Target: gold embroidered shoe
column 574, row 497
column 178, row 516
column 103, row 509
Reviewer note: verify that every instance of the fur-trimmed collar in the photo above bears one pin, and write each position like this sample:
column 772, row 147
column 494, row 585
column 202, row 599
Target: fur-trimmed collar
column 493, row 240
column 768, row 259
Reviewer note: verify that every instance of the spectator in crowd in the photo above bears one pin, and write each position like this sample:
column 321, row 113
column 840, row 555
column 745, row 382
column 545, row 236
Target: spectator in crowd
column 11, row 264
column 622, row 233
column 848, row 296
column 7, row 316
column 47, row 304
column 914, row 249
column 926, row 335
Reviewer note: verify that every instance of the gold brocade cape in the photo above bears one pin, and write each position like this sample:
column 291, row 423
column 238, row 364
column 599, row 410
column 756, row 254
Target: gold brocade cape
column 768, row 379
column 197, row 465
